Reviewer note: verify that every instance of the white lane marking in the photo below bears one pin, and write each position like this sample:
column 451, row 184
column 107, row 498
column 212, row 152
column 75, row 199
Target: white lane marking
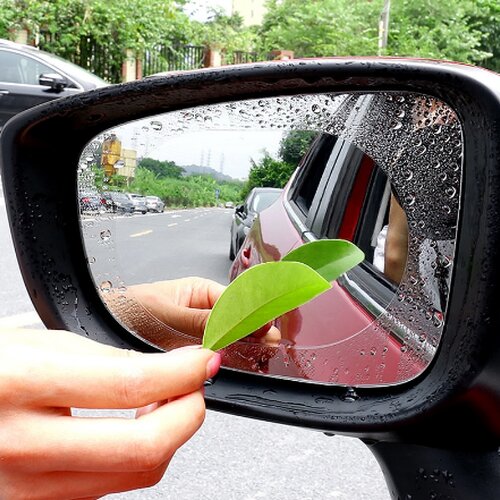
column 176, row 216
column 187, row 220
column 142, row 233
column 173, row 224
column 20, row 320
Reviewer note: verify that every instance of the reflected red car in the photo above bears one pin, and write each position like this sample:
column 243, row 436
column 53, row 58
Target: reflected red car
column 335, row 337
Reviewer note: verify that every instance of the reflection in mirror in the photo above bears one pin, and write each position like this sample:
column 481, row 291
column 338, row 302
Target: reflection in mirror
column 210, row 191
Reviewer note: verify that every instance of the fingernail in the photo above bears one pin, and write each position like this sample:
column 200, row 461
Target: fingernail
column 213, row 365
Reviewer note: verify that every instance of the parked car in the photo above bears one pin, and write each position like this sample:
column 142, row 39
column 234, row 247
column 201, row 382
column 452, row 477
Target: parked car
column 139, row 202
column 436, row 435
column 91, row 202
column 245, row 214
column 118, row 202
column 154, row 204
column 29, row 76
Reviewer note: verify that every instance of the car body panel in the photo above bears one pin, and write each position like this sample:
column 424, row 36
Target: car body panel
column 246, row 213
column 20, row 69
column 118, row 202
column 333, row 325
column 139, row 202
column 154, row 204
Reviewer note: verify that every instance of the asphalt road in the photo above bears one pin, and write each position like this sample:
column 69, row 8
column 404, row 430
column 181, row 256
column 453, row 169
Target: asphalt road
column 231, row 457
column 144, row 248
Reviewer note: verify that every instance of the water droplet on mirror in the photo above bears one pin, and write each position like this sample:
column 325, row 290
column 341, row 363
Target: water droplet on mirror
column 91, row 260
column 451, row 192
column 410, row 200
column 350, row 396
column 396, row 125
column 105, row 235
column 156, row 125
column 105, row 286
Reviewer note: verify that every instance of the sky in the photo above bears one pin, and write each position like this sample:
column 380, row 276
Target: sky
column 199, row 9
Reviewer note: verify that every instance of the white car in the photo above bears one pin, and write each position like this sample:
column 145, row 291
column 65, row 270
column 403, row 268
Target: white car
column 154, row 204
column 139, row 202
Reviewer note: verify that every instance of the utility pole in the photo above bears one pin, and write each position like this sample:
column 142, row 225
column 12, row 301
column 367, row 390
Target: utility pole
column 383, row 27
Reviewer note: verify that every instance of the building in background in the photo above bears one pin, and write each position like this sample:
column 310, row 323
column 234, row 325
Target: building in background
column 252, row 11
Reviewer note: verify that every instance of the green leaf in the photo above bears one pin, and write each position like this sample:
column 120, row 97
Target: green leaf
column 257, row 296
column 329, row 258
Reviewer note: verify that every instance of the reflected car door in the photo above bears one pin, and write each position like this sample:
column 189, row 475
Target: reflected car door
column 338, row 192
column 19, row 86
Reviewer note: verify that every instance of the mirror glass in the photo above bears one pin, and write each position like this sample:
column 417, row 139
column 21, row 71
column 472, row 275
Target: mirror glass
column 208, row 192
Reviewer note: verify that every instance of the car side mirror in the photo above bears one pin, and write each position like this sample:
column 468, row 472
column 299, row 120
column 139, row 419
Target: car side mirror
column 55, row 81
column 431, row 128
column 240, row 209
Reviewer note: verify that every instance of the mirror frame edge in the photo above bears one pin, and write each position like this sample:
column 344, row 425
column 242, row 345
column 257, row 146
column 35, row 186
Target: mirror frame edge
column 29, row 148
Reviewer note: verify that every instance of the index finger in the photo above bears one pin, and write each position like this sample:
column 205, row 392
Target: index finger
column 121, row 379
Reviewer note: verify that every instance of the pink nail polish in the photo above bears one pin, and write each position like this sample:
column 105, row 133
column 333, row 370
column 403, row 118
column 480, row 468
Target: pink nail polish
column 213, row 365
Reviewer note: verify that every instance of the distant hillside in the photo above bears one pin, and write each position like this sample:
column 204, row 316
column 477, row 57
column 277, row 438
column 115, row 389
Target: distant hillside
column 197, row 170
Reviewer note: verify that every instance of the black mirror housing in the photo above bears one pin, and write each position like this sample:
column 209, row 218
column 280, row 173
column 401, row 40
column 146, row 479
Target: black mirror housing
column 460, row 385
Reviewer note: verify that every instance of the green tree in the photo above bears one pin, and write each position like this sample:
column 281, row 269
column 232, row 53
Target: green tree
column 321, row 27
column 456, row 29
column 295, row 145
column 116, row 25
column 162, row 168
column 191, row 191
column 270, row 172
column 485, row 18
column 225, row 33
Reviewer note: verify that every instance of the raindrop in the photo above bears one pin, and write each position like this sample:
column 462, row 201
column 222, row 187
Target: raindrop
column 410, row 200
column 420, row 150
column 105, row 286
column 396, row 125
column 451, row 192
column 105, row 235
column 91, row 260
column 350, row 396
column 156, row 125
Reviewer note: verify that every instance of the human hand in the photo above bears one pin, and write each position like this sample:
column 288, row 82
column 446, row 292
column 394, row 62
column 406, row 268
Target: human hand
column 185, row 304
column 45, row 453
